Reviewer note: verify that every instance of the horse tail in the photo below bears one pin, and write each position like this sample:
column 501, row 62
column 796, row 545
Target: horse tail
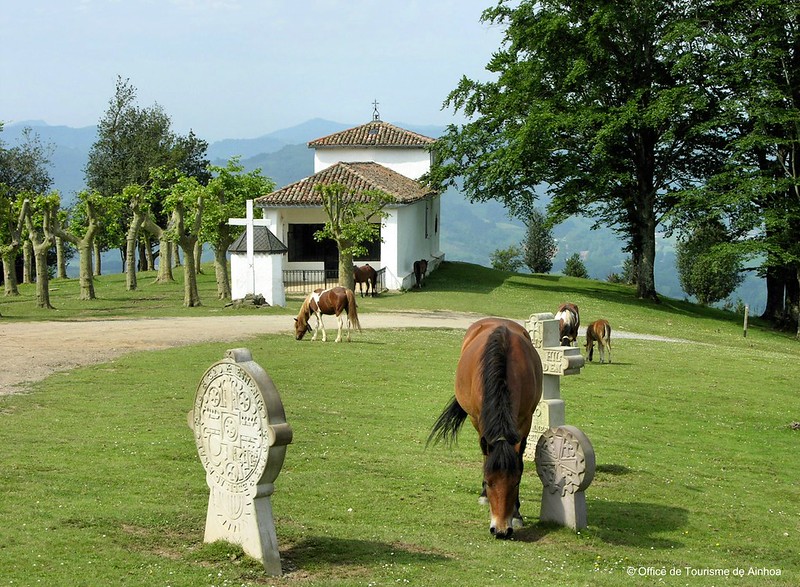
column 496, row 413
column 448, row 424
column 352, row 312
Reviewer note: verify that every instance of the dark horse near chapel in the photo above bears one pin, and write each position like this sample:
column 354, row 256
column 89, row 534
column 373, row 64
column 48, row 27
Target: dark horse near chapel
column 366, row 274
column 498, row 385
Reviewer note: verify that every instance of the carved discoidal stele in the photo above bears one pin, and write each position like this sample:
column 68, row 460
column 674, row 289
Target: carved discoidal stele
column 231, row 429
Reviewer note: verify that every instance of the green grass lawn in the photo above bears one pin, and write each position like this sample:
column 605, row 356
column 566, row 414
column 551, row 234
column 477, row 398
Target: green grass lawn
column 100, row 483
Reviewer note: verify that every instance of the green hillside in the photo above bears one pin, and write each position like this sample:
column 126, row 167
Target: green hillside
column 694, row 483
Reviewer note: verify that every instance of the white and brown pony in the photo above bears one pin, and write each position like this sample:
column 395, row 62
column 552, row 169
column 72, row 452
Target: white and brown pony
column 338, row 301
column 569, row 319
column 600, row 331
column 498, row 385
column 420, row 268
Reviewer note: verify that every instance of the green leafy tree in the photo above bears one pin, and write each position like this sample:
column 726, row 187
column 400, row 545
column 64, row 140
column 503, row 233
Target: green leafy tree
column 131, row 141
column 708, row 268
column 540, row 246
column 184, row 205
column 574, row 267
column 39, row 222
column 351, row 222
column 602, row 102
column 226, row 197
column 753, row 57
column 509, row 259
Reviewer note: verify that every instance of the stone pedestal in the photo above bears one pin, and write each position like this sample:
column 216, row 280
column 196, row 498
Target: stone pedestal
column 565, row 464
column 556, row 361
column 241, row 435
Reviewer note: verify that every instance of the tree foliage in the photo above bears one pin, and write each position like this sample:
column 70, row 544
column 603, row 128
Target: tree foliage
column 708, row 268
column 574, row 267
column 226, row 197
column 599, row 101
column 540, row 245
column 509, row 259
column 351, row 217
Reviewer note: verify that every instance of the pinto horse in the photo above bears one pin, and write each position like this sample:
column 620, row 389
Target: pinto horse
column 338, row 301
column 569, row 320
column 498, row 385
column 420, row 268
column 600, row 331
column 366, row 274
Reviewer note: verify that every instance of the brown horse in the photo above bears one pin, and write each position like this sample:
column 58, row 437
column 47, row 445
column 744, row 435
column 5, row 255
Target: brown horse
column 338, row 301
column 498, row 385
column 600, row 331
column 366, row 274
column 420, row 268
column 570, row 320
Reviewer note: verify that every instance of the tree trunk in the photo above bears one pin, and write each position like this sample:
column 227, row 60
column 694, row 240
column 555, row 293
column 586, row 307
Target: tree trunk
column 131, row 242
column 148, row 254
column 346, row 277
column 27, row 262
column 177, row 251
column 776, row 286
column 98, row 267
column 85, row 264
column 198, row 256
column 221, row 271
column 164, row 261
column 646, row 282
column 191, row 297
column 40, row 251
column 9, row 271
column 61, row 262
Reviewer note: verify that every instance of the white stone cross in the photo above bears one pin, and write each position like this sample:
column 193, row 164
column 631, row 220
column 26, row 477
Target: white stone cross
column 250, row 222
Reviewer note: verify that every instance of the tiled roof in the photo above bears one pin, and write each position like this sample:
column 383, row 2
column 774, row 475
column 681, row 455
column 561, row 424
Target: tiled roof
column 373, row 134
column 263, row 242
column 357, row 177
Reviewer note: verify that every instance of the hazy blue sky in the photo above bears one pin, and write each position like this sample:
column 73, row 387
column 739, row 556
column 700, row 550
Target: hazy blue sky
column 241, row 68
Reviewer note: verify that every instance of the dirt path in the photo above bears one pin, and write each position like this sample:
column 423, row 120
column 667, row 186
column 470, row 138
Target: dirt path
column 33, row 350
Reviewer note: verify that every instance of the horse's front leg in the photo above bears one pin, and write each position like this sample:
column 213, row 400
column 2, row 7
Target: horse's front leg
column 320, row 326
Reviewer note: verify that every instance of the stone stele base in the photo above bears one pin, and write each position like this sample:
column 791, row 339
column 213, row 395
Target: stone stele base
column 565, row 463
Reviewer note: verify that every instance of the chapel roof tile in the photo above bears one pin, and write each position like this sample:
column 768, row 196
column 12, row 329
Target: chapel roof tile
column 375, row 133
column 357, row 177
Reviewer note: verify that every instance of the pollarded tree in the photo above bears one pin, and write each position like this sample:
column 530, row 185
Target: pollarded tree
column 39, row 222
column 601, row 101
column 184, row 205
column 226, row 197
column 81, row 232
column 351, row 222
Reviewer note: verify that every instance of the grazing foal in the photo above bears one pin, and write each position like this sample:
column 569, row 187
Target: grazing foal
column 600, row 331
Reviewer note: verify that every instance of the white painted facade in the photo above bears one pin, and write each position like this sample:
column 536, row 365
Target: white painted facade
column 268, row 280
column 413, row 163
column 410, row 233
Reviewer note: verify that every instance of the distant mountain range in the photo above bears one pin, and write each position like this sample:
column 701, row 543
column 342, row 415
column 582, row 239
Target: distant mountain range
column 470, row 232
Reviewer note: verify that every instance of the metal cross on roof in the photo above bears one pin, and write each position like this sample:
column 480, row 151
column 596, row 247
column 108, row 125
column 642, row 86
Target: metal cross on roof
column 375, row 114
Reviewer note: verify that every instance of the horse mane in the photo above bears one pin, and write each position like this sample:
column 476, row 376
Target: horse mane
column 498, row 426
column 305, row 311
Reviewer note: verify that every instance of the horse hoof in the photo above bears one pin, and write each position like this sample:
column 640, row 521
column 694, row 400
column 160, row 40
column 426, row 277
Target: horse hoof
column 517, row 523
column 483, row 500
